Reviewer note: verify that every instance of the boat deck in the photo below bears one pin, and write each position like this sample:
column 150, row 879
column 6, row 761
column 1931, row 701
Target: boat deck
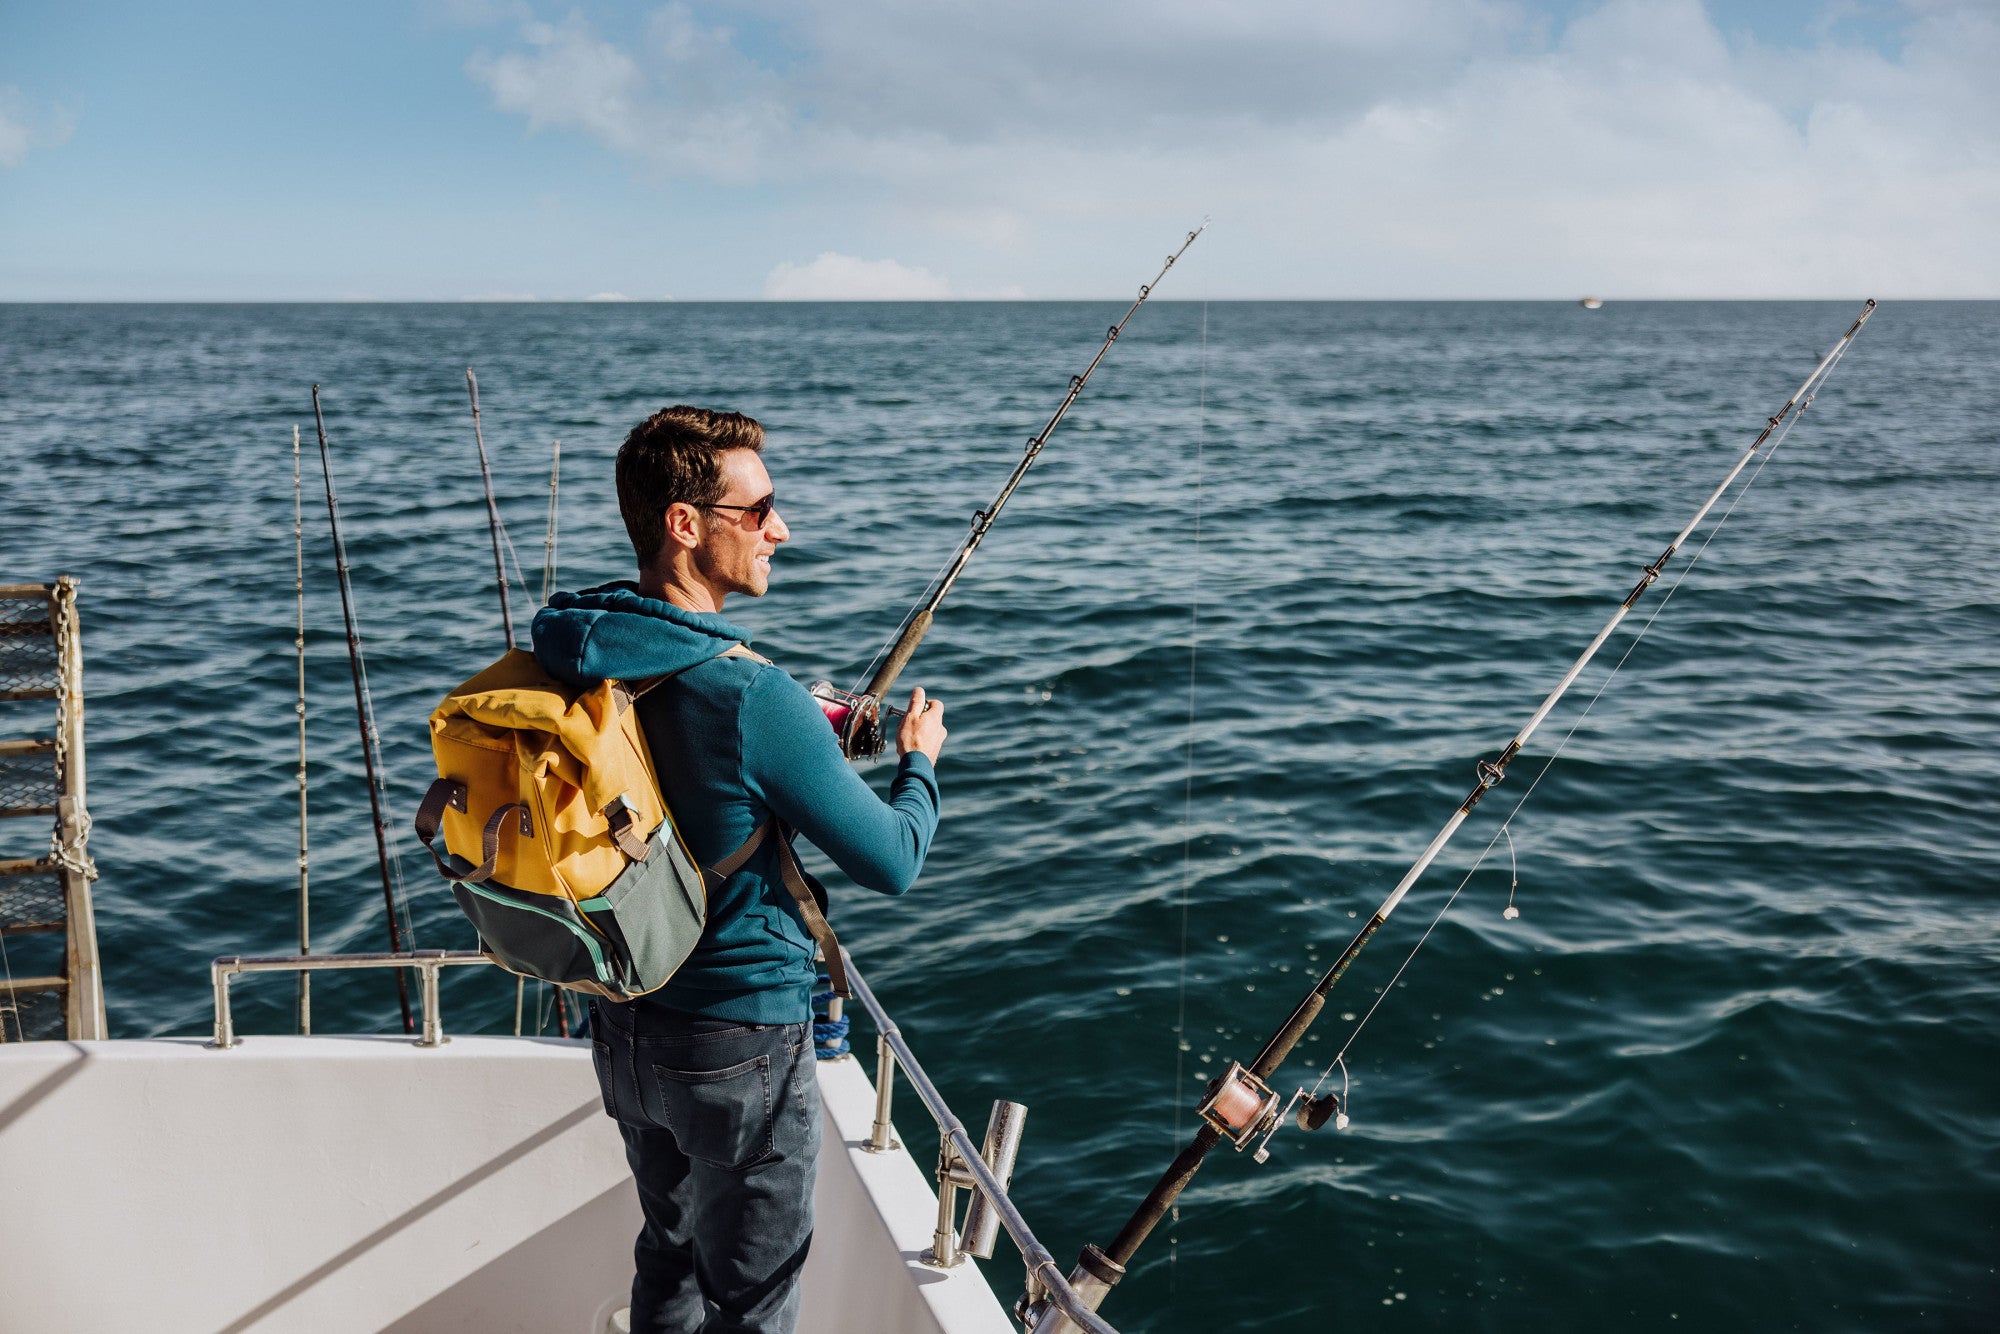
column 365, row 1183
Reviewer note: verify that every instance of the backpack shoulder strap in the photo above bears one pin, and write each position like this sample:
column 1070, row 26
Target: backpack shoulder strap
column 805, row 891
column 634, row 689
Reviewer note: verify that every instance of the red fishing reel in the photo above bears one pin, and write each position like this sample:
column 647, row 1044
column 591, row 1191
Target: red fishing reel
column 856, row 719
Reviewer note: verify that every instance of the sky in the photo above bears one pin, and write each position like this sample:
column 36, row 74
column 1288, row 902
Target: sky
column 920, row 149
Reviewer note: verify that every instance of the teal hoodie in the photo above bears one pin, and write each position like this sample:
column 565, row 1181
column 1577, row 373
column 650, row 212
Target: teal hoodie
column 735, row 741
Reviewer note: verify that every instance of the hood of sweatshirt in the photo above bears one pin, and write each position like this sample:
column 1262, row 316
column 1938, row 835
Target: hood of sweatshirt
column 612, row 633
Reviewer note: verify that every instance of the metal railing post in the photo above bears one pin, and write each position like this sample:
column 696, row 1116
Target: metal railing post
column 225, row 1029
column 882, row 1136
column 428, row 963
column 433, row 1030
column 944, row 1252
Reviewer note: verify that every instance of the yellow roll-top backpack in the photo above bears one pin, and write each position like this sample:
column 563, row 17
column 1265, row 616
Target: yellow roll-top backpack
column 556, row 840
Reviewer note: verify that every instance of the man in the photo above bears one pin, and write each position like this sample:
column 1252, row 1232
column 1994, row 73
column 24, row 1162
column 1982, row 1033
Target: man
column 711, row 1078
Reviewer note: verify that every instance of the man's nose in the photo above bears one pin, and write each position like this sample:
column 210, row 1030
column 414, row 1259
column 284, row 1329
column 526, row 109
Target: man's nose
column 779, row 531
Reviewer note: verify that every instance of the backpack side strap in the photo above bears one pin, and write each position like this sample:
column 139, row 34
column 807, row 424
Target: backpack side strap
column 444, row 792
column 450, row 792
column 805, row 892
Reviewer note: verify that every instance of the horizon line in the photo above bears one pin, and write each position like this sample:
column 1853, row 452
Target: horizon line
column 934, row 301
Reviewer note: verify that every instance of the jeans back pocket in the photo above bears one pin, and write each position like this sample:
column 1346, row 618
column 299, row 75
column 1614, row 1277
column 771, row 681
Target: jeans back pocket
column 719, row 1117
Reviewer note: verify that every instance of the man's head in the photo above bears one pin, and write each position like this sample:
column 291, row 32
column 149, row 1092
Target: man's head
column 690, row 485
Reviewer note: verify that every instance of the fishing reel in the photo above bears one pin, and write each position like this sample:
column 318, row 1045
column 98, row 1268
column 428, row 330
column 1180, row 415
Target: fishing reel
column 856, row 719
column 1243, row 1108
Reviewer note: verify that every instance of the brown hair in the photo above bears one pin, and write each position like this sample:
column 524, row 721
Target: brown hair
column 671, row 457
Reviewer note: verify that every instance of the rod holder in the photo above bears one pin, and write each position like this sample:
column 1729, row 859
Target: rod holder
column 1001, row 1147
column 1092, row 1281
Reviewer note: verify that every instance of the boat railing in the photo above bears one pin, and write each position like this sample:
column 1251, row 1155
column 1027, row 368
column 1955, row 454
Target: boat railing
column 962, row 1165
column 430, row 1032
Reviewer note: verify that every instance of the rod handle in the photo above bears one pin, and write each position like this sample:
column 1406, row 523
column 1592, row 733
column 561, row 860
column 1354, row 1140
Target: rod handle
column 899, row 656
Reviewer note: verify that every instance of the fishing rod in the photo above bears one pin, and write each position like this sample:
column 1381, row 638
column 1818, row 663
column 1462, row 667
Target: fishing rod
column 299, row 642
column 1241, row 1105
column 492, row 509
column 364, row 712
column 858, row 717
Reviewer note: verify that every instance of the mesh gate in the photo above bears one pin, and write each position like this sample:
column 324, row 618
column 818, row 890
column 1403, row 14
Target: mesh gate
column 49, row 977
column 28, row 659
column 29, row 783
column 31, row 897
column 30, row 1016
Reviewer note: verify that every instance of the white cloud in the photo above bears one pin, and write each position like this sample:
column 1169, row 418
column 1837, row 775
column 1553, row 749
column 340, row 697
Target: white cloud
column 833, row 277
column 22, row 128
column 608, row 296
column 1438, row 147
column 13, row 141
column 695, row 106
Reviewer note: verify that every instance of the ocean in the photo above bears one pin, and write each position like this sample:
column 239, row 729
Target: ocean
column 1225, row 664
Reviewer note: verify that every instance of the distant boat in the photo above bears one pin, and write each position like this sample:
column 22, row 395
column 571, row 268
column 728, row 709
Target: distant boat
column 1591, row 302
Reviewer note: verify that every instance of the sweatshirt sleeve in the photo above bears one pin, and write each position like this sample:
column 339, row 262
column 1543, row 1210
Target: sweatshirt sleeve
column 792, row 763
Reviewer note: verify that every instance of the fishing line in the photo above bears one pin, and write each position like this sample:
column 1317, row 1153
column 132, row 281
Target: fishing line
column 513, row 557
column 384, row 781
column 1694, row 560
column 299, row 642
column 549, row 539
column 395, row 896
column 12, row 1005
column 903, row 624
column 857, row 715
column 1241, row 1107
column 1187, row 789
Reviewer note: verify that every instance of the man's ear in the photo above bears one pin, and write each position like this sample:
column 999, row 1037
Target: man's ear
column 683, row 526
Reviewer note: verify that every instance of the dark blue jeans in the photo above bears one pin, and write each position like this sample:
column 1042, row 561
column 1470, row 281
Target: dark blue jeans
column 722, row 1127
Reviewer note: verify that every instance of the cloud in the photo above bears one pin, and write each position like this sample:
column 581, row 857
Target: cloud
column 608, row 296
column 22, row 128
column 696, row 106
column 833, row 277
column 1437, row 147
column 13, row 141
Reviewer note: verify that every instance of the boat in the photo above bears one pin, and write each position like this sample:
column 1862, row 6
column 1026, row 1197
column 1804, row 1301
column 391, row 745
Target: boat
column 424, row 1183
column 1591, row 303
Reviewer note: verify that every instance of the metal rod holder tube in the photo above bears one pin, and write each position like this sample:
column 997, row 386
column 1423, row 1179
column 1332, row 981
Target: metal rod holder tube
column 1002, row 1146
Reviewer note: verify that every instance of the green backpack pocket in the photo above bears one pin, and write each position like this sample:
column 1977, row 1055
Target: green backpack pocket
column 622, row 943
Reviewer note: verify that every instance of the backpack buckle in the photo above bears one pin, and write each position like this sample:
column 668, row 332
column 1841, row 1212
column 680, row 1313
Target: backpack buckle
column 619, row 813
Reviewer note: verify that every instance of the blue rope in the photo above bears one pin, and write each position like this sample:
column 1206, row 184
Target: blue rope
column 829, row 1035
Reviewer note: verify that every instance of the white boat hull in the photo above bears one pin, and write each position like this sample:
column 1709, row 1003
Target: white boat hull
column 363, row 1183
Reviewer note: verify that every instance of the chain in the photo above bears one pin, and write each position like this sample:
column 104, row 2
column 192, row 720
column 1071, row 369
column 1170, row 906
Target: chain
column 70, row 839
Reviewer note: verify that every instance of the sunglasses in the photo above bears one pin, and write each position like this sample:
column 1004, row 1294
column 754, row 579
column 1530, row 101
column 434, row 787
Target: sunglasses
column 760, row 511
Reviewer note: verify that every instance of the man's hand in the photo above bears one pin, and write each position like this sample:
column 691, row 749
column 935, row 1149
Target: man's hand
column 922, row 727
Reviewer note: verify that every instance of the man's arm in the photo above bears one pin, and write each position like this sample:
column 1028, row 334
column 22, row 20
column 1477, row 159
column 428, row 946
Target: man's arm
column 792, row 762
